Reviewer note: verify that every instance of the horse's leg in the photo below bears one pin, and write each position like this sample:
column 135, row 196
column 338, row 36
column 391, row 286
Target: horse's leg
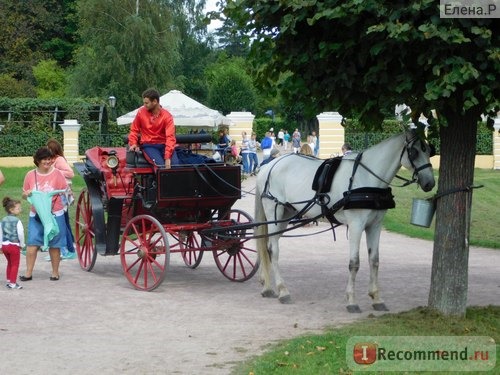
column 283, row 293
column 354, row 241
column 372, row 242
column 271, row 255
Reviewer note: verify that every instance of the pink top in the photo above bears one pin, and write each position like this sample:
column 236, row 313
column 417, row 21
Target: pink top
column 53, row 180
column 61, row 164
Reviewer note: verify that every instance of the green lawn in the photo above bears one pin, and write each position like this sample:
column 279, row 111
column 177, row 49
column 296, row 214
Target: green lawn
column 485, row 209
column 326, row 353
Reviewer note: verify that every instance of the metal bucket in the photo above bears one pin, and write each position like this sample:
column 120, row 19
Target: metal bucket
column 422, row 212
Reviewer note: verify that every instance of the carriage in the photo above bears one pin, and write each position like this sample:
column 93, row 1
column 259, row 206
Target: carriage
column 144, row 214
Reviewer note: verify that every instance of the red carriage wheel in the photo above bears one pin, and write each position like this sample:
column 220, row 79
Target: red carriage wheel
column 236, row 256
column 190, row 243
column 84, row 232
column 144, row 252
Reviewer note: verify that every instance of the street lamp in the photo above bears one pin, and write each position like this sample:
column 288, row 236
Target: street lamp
column 112, row 104
column 270, row 113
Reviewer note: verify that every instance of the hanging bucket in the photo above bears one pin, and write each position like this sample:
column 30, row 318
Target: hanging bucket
column 422, row 212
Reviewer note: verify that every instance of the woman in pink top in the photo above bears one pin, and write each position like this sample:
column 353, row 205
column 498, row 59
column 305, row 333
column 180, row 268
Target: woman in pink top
column 60, row 162
column 44, row 178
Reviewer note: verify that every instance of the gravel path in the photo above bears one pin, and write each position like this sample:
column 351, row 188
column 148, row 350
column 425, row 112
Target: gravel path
column 198, row 322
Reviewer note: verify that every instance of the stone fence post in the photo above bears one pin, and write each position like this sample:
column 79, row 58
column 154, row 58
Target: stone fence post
column 242, row 121
column 331, row 134
column 71, row 131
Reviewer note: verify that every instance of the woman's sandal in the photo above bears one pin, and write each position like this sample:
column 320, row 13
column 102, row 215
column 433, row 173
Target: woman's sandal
column 25, row 278
column 54, row 278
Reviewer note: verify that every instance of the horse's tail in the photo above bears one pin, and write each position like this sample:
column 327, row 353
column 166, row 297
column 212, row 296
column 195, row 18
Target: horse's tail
column 261, row 232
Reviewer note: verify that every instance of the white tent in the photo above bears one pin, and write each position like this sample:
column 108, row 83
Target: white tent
column 186, row 112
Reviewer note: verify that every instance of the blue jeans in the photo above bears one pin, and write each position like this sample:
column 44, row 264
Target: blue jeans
column 156, row 153
column 245, row 156
column 253, row 161
column 70, row 239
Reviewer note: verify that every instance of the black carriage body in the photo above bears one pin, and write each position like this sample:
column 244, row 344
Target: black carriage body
column 196, row 193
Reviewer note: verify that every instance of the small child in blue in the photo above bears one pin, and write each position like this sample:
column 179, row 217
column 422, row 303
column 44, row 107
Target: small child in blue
column 12, row 240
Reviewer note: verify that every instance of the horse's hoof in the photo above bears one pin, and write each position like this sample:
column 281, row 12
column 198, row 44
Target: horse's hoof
column 269, row 294
column 285, row 299
column 353, row 309
column 380, row 307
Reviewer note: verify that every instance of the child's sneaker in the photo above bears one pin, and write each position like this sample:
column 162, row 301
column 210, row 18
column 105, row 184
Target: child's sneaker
column 69, row 255
column 14, row 286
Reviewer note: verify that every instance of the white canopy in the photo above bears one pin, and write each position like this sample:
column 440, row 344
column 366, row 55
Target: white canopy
column 186, row 112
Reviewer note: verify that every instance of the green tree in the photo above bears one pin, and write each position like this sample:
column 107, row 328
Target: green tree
column 230, row 86
column 51, row 79
column 33, row 30
column 126, row 47
column 11, row 87
column 364, row 57
column 195, row 48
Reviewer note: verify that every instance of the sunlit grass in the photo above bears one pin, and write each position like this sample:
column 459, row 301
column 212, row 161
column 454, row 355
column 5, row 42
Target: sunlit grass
column 485, row 208
column 326, row 353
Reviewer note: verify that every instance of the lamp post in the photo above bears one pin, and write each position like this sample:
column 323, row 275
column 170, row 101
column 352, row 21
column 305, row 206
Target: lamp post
column 270, row 113
column 112, row 104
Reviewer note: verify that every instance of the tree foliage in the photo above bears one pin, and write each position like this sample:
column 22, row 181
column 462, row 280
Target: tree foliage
column 231, row 87
column 51, row 79
column 364, row 57
column 124, row 49
column 33, row 30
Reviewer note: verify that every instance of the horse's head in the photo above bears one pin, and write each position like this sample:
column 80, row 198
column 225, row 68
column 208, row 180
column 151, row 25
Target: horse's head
column 416, row 156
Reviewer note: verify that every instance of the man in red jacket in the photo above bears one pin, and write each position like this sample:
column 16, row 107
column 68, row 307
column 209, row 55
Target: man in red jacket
column 155, row 127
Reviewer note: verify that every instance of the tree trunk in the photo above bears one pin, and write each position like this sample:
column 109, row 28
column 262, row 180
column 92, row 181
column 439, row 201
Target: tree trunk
column 449, row 279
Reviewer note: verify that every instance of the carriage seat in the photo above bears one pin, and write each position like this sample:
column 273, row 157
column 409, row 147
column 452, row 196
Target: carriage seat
column 138, row 160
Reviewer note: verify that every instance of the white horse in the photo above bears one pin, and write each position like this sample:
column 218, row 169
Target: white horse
column 284, row 188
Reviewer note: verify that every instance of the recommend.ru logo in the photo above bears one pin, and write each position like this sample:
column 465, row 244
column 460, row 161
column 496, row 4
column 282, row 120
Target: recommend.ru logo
column 421, row 353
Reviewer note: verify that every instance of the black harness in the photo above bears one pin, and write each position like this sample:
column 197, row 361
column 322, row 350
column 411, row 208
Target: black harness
column 365, row 197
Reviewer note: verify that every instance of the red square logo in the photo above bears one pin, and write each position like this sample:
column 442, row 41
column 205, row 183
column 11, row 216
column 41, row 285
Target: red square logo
column 365, row 353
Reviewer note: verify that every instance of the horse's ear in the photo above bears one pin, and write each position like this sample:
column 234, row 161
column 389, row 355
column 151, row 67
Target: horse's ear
column 432, row 151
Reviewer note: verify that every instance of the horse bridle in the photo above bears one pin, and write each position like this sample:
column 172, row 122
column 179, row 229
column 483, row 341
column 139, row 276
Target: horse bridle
column 412, row 153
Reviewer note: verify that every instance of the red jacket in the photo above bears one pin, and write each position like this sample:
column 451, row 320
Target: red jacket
column 153, row 129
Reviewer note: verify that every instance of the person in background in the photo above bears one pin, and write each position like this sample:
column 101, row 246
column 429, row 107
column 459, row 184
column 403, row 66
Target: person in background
column 306, row 150
column 346, row 149
column 252, row 154
column 235, row 152
column 311, row 141
column 286, row 139
column 154, row 125
column 224, row 143
column 274, row 154
column 12, row 240
column 245, row 152
column 281, row 136
column 315, row 140
column 2, row 178
column 47, row 179
column 266, row 145
column 60, row 162
column 296, row 141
